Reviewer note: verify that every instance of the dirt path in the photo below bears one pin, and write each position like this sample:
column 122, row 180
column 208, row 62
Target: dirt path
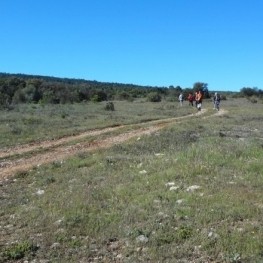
column 44, row 152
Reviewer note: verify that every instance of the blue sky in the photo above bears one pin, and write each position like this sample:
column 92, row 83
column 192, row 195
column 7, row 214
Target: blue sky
column 144, row 42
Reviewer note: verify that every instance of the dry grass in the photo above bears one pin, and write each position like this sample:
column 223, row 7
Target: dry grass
column 191, row 192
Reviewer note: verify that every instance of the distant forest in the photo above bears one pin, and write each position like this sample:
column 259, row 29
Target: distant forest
column 22, row 88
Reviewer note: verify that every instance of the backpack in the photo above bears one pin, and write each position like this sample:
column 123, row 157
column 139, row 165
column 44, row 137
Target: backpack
column 217, row 98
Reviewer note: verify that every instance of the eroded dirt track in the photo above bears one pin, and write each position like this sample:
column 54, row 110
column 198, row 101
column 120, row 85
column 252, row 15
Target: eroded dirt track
column 13, row 159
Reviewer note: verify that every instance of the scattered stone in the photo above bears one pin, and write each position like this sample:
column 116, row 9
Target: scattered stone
column 40, row 192
column 159, row 154
column 8, row 226
column 139, row 165
column 55, row 245
column 210, row 234
column 143, row 172
column 193, row 188
column 170, row 184
column 58, row 222
column 142, row 239
column 180, row 201
column 174, row 188
column 213, row 235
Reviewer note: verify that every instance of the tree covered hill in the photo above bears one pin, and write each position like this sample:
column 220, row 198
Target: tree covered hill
column 22, row 88
column 25, row 88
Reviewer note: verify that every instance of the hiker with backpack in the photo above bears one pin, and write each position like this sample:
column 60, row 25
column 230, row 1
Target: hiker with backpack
column 181, row 99
column 217, row 100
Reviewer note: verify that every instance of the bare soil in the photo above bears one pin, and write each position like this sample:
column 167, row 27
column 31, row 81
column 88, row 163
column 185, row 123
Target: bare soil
column 13, row 160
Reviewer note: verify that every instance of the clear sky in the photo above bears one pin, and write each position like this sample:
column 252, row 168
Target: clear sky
column 144, row 42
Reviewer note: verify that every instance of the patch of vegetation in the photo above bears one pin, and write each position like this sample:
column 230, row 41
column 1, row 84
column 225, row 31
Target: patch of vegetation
column 19, row 251
column 44, row 122
column 109, row 106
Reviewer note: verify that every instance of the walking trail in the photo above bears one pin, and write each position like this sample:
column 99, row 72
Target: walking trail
column 24, row 157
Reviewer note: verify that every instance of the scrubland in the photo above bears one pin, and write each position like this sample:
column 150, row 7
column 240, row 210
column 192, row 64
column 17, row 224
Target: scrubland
column 190, row 192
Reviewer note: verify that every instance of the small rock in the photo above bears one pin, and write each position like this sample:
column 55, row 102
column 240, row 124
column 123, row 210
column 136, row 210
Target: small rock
column 180, row 201
column 192, row 188
column 142, row 239
column 210, row 234
column 213, row 235
column 55, row 245
column 40, row 192
column 170, row 184
column 174, row 188
column 139, row 165
column 58, row 222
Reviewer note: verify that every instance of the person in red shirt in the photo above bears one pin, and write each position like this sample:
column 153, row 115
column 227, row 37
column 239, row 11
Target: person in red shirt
column 190, row 99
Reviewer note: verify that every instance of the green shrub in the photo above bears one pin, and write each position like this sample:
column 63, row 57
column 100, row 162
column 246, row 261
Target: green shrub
column 109, row 106
column 19, row 250
column 154, row 97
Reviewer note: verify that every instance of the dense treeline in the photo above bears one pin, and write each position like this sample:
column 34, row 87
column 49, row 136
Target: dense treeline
column 22, row 88
column 249, row 92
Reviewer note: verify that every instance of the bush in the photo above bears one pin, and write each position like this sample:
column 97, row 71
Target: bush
column 109, row 106
column 154, row 97
column 18, row 251
column 252, row 99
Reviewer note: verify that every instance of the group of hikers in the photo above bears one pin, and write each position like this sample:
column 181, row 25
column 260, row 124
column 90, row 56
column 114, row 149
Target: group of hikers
column 197, row 98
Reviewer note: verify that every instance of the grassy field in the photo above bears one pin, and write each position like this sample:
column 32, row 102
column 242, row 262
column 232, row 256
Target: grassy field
column 27, row 123
column 191, row 192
